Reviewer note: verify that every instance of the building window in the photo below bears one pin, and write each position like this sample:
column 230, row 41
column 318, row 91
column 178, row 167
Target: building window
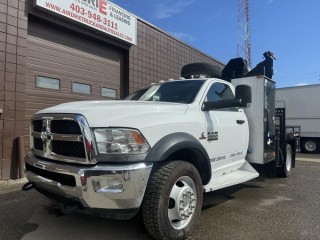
column 108, row 92
column 47, row 82
column 81, row 88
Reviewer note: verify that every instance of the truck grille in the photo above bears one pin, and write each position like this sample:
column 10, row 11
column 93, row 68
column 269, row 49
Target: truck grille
column 65, row 127
column 62, row 137
column 70, row 149
column 37, row 144
column 37, row 125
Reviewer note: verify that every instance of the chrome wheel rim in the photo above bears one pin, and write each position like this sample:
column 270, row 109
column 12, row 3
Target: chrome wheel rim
column 310, row 146
column 182, row 202
column 289, row 159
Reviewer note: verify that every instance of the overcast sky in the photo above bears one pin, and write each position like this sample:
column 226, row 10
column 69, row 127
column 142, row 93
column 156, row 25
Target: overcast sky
column 288, row 28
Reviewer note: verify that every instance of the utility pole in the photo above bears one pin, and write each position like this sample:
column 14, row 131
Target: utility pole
column 244, row 40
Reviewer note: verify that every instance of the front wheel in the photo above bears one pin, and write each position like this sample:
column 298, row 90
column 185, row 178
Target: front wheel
column 173, row 201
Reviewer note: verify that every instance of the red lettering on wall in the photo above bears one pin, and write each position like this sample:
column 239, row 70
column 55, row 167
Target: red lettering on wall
column 103, row 7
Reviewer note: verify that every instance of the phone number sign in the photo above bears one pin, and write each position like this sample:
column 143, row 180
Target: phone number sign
column 98, row 14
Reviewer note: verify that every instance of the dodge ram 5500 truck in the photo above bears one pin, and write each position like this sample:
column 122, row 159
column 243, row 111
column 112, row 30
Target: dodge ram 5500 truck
column 158, row 155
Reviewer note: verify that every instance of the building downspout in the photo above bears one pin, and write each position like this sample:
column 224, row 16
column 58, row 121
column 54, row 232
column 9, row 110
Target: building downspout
column 20, row 146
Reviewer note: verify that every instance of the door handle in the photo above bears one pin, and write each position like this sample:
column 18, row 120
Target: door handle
column 241, row 121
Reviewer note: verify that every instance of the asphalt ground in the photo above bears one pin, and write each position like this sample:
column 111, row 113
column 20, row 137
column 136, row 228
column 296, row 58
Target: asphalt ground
column 264, row 208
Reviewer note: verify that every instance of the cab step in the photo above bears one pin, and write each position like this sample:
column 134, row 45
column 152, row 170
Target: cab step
column 243, row 174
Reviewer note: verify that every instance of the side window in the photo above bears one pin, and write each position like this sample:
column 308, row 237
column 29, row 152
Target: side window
column 81, row 88
column 108, row 92
column 47, row 82
column 219, row 91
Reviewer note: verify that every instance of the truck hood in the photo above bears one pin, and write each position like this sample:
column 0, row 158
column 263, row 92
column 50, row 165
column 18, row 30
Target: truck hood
column 135, row 114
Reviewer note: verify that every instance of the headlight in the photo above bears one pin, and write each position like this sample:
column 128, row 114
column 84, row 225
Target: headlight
column 120, row 140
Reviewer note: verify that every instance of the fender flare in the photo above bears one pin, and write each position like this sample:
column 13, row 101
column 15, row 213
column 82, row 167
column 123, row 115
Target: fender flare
column 175, row 142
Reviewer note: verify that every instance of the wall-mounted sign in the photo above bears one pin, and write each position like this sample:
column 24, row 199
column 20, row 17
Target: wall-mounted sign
column 99, row 14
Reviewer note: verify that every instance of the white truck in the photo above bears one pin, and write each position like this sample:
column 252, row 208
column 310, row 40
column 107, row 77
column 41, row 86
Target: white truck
column 303, row 109
column 158, row 155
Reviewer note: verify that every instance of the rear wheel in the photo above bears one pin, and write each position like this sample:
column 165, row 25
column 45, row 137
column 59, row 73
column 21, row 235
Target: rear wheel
column 285, row 169
column 310, row 145
column 173, row 201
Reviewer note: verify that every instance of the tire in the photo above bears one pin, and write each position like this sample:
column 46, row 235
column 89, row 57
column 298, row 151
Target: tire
column 201, row 69
column 310, row 145
column 172, row 183
column 285, row 169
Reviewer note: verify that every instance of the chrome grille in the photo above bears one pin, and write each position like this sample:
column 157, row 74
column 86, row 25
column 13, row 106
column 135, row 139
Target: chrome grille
column 62, row 137
column 37, row 143
column 37, row 125
column 65, row 127
column 70, row 149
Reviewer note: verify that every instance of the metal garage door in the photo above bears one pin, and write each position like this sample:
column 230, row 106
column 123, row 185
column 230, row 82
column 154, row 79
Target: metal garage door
column 63, row 66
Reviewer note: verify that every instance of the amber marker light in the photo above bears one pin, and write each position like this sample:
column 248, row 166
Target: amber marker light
column 137, row 137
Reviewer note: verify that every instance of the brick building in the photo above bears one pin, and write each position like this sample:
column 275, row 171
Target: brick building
column 47, row 58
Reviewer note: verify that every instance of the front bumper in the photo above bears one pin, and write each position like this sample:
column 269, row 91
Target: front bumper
column 109, row 187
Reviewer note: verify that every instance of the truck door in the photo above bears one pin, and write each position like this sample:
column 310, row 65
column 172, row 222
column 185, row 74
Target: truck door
column 227, row 132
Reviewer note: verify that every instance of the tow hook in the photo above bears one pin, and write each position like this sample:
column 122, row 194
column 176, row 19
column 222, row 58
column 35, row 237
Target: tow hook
column 28, row 186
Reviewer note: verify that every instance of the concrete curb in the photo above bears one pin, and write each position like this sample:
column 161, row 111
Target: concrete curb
column 308, row 157
column 7, row 186
column 308, row 160
column 16, row 181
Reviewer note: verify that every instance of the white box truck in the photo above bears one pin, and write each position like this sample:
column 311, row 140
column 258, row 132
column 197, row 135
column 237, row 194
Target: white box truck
column 302, row 104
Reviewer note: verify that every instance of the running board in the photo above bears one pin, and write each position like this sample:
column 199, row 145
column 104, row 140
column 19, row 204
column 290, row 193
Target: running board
column 245, row 173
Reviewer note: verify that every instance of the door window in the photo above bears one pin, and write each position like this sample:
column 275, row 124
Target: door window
column 219, row 91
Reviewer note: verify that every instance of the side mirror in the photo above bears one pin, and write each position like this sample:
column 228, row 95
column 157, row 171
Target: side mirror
column 243, row 94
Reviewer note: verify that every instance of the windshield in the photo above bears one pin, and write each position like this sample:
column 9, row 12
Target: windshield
column 173, row 91
column 136, row 95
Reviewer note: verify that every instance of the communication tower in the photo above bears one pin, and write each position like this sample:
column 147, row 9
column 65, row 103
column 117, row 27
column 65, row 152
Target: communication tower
column 244, row 41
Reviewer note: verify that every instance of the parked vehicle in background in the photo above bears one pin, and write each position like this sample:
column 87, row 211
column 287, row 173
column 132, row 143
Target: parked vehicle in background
column 302, row 105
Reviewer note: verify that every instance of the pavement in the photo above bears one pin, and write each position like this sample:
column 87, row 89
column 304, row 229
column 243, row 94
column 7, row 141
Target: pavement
column 263, row 208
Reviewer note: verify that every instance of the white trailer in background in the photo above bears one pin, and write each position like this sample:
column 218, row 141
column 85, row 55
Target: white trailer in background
column 302, row 105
